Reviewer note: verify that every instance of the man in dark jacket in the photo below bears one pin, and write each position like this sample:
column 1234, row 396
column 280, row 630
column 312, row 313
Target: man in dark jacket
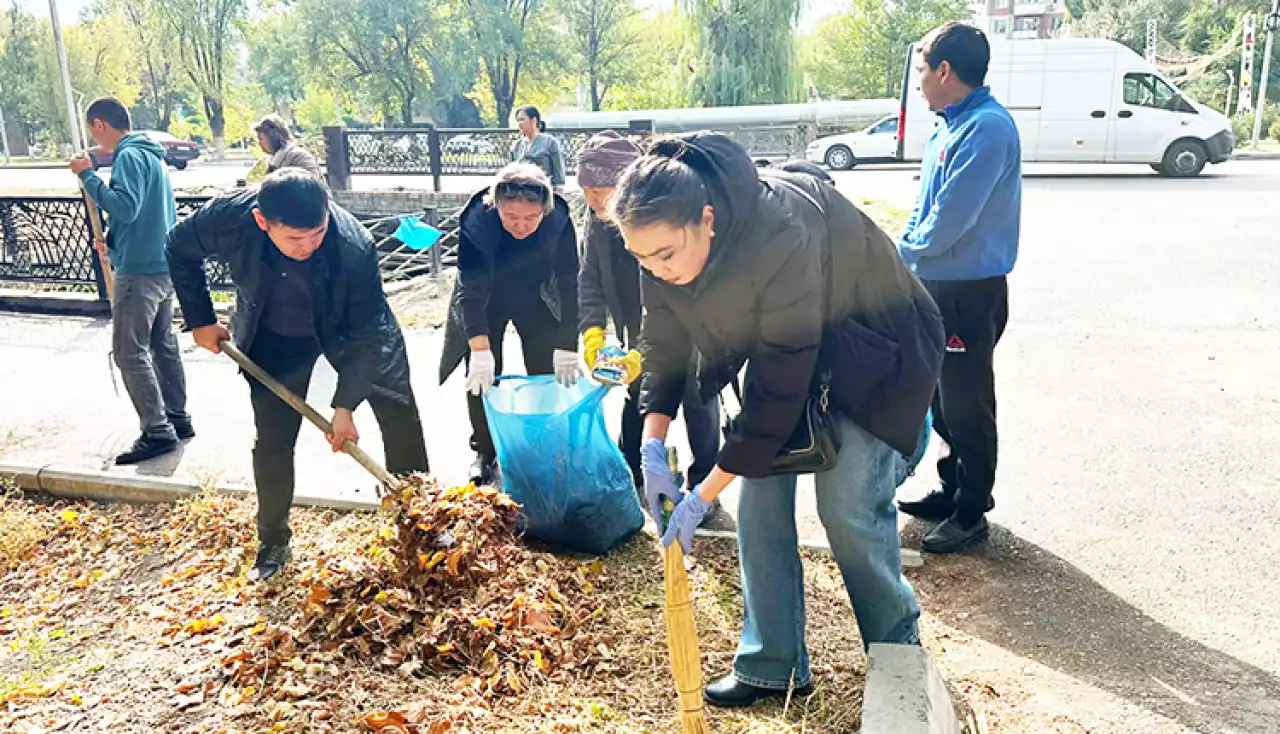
column 307, row 283
column 609, row 287
column 140, row 206
column 962, row 241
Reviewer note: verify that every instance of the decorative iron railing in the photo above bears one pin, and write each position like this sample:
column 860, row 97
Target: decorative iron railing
column 46, row 240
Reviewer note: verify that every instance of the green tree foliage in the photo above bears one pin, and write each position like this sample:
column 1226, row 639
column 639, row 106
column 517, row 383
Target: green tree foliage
column 155, row 45
column 603, row 39
column 499, row 27
column 207, row 34
column 863, row 52
column 662, row 66
column 746, row 51
column 278, row 57
column 29, row 106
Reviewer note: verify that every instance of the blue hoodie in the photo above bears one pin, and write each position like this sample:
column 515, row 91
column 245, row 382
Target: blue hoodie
column 966, row 224
column 139, row 205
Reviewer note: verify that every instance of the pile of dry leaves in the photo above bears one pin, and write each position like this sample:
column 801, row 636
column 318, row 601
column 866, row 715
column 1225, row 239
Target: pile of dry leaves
column 450, row 590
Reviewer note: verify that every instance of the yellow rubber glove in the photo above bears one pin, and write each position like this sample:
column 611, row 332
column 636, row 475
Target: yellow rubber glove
column 632, row 364
column 592, row 343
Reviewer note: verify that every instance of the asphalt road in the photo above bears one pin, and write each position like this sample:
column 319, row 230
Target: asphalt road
column 1131, row 578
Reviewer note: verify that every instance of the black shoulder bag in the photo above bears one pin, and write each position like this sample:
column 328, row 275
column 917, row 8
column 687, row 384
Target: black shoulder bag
column 814, row 445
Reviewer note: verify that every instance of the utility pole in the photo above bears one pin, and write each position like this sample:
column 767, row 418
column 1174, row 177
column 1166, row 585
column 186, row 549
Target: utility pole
column 1231, row 87
column 73, row 129
column 1245, row 104
column 4, row 133
column 1273, row 24
column 1151, row 41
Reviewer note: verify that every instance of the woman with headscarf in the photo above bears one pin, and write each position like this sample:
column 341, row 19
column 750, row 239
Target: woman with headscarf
column 538, row 147
column 779, row 273
column 517, row 264
column 276, row 140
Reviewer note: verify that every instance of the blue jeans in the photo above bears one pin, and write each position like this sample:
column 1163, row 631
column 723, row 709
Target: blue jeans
column 855, row 504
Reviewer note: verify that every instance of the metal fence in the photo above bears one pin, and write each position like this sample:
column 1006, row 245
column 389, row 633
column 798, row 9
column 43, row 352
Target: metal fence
column 439, row 152
column 46, row 240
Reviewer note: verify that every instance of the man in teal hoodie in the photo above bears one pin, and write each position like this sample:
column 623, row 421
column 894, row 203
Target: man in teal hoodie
column 140, row 209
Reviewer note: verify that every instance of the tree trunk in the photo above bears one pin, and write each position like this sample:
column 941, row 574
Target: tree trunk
column 217, row 125
column 406, row 110
column 166, row 112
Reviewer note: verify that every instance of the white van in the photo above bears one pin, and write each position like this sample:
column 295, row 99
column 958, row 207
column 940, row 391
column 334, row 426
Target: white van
column 1084, row 101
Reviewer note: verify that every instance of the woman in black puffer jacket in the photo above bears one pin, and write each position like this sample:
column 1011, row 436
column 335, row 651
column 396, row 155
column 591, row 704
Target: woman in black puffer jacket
column 780, row 273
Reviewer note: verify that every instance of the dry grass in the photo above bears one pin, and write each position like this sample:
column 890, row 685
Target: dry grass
column 116, row 597
column 22, row 526
column 424, row 301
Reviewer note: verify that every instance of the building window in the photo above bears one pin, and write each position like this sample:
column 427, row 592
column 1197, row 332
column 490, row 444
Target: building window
column 1002, row 4
column 1000, row 27
column 1030, row 23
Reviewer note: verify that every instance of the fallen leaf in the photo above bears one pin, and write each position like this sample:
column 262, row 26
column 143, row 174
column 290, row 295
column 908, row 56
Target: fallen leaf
column 382, row 720
column 295, row 690
column 201, row 626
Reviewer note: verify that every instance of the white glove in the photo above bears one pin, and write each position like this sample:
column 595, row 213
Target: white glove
column 480, row 372
column 568, row 368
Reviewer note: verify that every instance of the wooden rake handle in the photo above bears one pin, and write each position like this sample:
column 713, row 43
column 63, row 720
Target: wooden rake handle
column 382, row 475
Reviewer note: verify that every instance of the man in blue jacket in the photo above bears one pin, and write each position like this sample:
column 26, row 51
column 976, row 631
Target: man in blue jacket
column 140, row 210
column 961, row 241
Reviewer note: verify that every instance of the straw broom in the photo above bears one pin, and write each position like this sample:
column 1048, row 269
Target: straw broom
column 682, row 638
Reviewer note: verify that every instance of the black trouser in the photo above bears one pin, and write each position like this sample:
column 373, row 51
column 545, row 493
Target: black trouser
column 702, row 424
column 291, row 362
column 539, row 332
column 964, row 407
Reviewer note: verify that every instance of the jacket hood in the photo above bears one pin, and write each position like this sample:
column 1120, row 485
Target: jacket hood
column 139, row 141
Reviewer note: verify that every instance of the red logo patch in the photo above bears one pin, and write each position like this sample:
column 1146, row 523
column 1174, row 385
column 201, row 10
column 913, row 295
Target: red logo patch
column 955, row 344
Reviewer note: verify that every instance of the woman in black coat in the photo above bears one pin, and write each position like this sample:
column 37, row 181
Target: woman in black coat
column 779, row 273
column 517, row 263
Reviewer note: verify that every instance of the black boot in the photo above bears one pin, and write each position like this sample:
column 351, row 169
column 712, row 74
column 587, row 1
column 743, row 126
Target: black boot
column 730, row 693
column 483, row 470
column 146, row 448
column 183, row 427
column 955, row 534
column 271, row 561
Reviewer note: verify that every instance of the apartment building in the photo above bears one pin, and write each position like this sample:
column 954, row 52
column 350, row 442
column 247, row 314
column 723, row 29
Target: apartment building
column 1020, row 18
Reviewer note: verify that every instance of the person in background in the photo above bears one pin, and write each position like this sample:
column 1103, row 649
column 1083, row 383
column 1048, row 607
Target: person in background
column 537, row 147
column 307, row 283
column 276, row 140
column 962, row 241
column 517, row 264
column 761, row 269
column 140, row 210
column 609, row 287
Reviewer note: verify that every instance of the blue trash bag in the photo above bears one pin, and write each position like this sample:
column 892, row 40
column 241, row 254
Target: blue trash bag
column 556, row 459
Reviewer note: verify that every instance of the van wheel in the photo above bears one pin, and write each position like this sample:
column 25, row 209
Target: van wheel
column 1157, row 167
column 1184, row 159
column 840, row 158
column 180, row 165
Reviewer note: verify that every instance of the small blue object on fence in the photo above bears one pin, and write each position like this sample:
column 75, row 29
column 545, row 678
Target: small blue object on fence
column 558, row 462
column 417, row 234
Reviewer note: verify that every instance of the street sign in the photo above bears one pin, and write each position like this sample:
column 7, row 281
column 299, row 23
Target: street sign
column 1273, row 22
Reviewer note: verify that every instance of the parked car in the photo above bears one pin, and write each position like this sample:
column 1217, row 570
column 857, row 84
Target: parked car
column 842, row 152
column 177, row 152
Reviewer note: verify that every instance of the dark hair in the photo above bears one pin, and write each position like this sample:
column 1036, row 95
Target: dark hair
column 109, row 110
column 964, row 47
column 294, row 198
column 659, row 188
column 532, row 113
column 806, row 168
column 521, row 182
column 275, row 130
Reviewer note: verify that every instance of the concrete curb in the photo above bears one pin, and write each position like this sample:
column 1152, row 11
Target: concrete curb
column 99, row 485
column 905, row 693
column 96, row 485
column 64, row 304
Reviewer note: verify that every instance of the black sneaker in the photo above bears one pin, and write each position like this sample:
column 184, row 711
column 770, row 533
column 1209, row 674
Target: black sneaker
column 936, row 506
column 483, row 470
column 183, row 427
column 145, row 448
column 270, row 562
column 952, row 537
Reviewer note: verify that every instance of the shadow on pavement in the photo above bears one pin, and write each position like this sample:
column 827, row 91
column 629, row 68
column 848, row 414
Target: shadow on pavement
column 1029, row 601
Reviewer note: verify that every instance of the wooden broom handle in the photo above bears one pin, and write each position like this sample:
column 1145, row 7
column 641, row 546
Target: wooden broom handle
column 319, row 421
column 95, row 224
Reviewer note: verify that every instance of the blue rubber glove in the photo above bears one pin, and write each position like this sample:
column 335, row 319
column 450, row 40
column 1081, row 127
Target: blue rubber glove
column 659, row 484
column 685, row 520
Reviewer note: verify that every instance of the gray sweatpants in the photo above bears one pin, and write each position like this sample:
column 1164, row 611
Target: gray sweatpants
column 146, row 351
